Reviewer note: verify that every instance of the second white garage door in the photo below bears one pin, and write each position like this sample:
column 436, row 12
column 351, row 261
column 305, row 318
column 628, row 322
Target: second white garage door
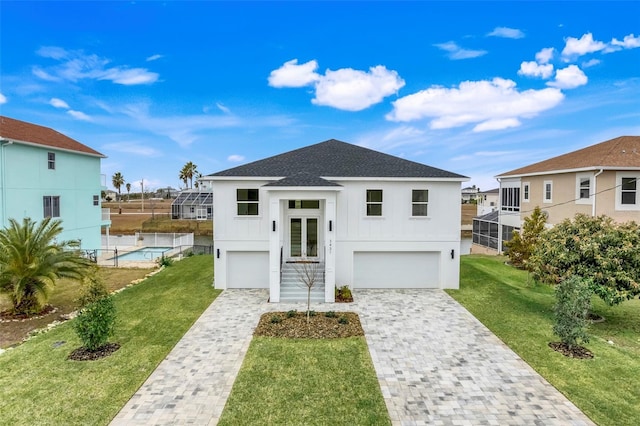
column 247, row 269
column 396, row 269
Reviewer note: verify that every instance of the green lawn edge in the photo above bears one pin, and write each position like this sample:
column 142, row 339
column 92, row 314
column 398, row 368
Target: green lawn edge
column 306, row 381
column 520, row 313
column 38, row 385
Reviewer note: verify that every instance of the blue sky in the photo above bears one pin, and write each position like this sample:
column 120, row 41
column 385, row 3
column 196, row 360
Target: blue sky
column 477, row 88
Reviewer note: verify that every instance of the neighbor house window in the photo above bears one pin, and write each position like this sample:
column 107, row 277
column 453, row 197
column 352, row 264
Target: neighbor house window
column 51, row 160
column 511, row 199
column 548, row 191
column 419, row 201
column 526, row 191
column 585, row 184
column 629, row 191
column 247, row 202
column 96, row 200
column 51, row 206
column 374, row 202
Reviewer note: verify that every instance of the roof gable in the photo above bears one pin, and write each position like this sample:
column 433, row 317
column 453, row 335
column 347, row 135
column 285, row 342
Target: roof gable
column 622, row 152
column 21, row 131
column 302, row 179
column 334, row 158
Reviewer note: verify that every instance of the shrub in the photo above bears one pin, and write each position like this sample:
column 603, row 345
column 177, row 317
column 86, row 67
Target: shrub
column 292, row 313
column 312, row 313
column 343, row 320
column 344, row 292
column 164, row 261
column 573, row 300
column 94, row 290
column 524, row 242
column 95, row 323
column 330, row 314
column 275, row 319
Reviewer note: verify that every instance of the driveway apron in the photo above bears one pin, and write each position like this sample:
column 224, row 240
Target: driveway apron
column 436, row 364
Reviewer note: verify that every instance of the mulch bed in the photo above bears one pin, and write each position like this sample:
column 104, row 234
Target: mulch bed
column 6, row 316
column 319, row 327
column 84, row 354
column 572, row 352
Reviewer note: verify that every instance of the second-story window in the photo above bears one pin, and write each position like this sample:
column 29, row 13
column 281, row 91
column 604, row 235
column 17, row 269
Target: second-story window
column 51, row 160
column 374, row 202
column 510, row 199
column 419, row 202
column 247, row 202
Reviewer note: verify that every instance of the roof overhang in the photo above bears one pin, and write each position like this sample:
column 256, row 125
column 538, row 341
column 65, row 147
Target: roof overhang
column 40, row 145
column 577, row 170
column 344, row 179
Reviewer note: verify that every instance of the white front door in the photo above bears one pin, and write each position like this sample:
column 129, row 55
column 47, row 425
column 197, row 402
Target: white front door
column 303, row 237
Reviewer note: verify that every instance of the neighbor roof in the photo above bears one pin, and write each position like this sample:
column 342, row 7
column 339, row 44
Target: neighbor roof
column 334, row 158
column 621, row 152
column 21, row 131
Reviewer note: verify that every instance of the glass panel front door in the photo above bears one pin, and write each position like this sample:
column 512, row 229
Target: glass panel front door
column 303, row 237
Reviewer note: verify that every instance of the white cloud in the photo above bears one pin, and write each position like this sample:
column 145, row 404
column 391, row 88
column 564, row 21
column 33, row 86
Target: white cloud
column 569, row 78
column 132, row 148
column 75, row 65
column 506, row 32
column 58, row 103
column 490, row 105
column 345, row 88
column 235, row 158
column 293, row 75
column 223, row 108
column 545, row 55
column 355, row 90
column 79, row 115
column 578, row 47
column 628, row 42
column 534, row 69
column 456, row 52
column 590, row 63
column 154, row 57
column 3, row 99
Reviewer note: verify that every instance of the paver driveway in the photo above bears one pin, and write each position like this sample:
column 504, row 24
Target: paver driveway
column 435, row 362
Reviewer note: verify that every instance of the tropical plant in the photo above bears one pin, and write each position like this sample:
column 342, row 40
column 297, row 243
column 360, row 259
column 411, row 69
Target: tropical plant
column 187, row 174
column 592, row 247
column 128, row 186
column 573, row 301
column 117, row 180
column 31, row 262
column 524, row 242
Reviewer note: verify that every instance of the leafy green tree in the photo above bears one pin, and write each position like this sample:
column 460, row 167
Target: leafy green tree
column 31, row 262
column 524, row 242
column 96, row 322
column 596, row 248
column 573, row 301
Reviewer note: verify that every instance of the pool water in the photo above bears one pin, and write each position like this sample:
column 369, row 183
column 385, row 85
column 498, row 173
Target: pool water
column 146, row 253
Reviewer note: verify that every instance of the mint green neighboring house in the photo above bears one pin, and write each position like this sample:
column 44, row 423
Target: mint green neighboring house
column 45, row 173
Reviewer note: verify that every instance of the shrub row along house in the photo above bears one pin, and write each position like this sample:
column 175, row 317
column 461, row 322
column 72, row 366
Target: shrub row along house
column 44, row 173
column 364, row 218
column 602, row 179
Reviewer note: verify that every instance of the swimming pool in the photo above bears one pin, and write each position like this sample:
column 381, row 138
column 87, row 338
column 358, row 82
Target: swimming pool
column 146, row 253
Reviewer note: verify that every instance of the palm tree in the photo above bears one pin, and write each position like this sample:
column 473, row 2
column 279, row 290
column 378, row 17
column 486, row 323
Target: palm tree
column 183, row 177
column 197, row 176
column 31, row 262
column 188, row 172
column 118, row 180
column 128, row 186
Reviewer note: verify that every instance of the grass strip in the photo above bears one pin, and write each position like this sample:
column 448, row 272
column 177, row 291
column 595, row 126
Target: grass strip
column 306, row 381
column 38, row 385
column 520, row 312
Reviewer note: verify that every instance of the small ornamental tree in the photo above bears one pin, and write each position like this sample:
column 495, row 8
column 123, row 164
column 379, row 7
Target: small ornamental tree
column 309, row 274
column 605, row 253
column 524, row 241
column 95, row 323
column 573, row 301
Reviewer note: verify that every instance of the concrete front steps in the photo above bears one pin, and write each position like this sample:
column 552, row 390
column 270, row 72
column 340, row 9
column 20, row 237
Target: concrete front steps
column 293, row 288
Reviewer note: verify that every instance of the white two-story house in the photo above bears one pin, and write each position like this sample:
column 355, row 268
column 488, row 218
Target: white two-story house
column 366, row 219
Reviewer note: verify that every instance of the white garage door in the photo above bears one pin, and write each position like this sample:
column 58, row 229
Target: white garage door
column 396, row 269
column 248, row 269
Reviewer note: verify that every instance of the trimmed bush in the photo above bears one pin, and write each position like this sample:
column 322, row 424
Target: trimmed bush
column 573, row 301
column 95, row 323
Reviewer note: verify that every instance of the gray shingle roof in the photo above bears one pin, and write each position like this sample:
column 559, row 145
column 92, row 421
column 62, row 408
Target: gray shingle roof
column 334, row 158
column 302, row 179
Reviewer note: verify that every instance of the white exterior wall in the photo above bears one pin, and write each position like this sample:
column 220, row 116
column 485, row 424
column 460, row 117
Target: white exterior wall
column 352, row 230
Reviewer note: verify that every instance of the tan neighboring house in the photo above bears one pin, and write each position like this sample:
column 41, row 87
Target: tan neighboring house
column 602, row 179
column 488, row 201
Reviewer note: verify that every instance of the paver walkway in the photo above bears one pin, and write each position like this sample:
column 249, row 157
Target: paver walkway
column 436, row 364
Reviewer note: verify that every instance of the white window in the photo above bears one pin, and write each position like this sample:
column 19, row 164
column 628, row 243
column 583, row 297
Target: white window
column 547, row 194
column 374, row 202
column 627, row 191
column 51, row 160
column 526, row 192
column 510, row 199
column 584, row 188
column 51, row 206
column 248, row 200
column 419, row 202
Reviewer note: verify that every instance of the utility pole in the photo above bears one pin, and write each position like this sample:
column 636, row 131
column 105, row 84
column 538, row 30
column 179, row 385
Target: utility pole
column 142, row 187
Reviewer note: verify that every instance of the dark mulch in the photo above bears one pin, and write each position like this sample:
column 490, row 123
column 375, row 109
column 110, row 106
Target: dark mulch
column 572, row 352
column 319, row 327
column 84, row 354
column 341, row 299
column 9, row 315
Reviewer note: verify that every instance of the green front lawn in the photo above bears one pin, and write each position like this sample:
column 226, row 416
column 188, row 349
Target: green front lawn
column 38, row 385
column 306, row 381
column 520, row 312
